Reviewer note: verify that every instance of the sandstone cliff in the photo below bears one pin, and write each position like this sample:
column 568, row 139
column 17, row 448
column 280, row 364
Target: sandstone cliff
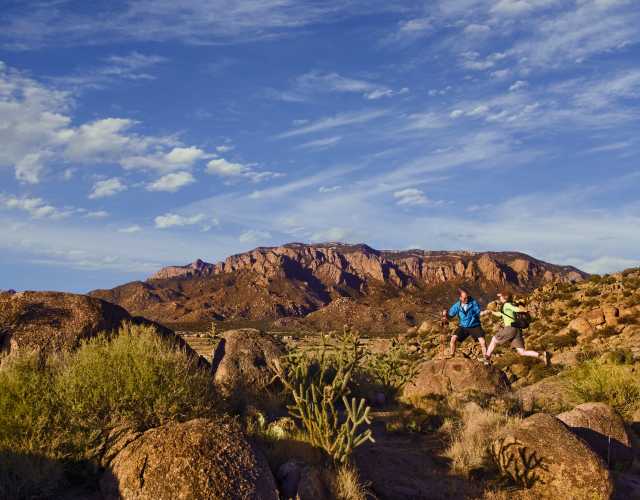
column 297, row 279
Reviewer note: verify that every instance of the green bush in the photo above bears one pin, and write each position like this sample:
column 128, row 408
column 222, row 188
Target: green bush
column 61, row 409
column 573, row 303
column 615, row 385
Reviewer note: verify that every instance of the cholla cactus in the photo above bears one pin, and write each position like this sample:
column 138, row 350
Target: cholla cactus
column 318, row 386
column 394, row 368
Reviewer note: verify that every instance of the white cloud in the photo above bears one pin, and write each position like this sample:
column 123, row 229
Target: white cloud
column 331, row 122
column 199, row 22
column 99, row 214
column 410, row 196
column 332, row 234
column 224, row 168
column 456, row 113
column 37, row 131
column 328, row 189
column 477, row 29
column 317, row 82
column 107, row 187
column 35, row 207
column 324, row 143
column 254, row 236
column 172, row 182
column 224, row 148
column 133, row 66
column 518, row 85
column 174, row 220
column 130, row 229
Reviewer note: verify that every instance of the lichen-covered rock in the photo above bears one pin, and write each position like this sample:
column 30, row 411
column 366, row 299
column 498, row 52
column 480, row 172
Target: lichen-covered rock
column 53, row 321
column 244, row 362
column 57, row 321
column 603, row 429
column 197, row 459
column 544, row 455
column 455, row 375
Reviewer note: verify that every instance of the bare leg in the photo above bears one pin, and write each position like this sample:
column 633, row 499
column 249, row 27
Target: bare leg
column 491, row 348
column 452, row 345
column 483, row 346
column 524, row 352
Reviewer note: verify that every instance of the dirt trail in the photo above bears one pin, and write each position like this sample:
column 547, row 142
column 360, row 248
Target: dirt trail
column 402, row 466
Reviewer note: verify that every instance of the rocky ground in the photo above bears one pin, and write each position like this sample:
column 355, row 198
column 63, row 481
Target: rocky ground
column 443, row 428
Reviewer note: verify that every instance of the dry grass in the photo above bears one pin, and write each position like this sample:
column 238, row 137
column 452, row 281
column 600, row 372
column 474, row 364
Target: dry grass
column 471, row 436
column 347, row 485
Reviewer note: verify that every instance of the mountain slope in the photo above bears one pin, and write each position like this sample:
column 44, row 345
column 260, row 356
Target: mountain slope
column 295, row 280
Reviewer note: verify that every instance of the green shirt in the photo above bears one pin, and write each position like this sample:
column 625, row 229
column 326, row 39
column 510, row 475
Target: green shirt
column 508, row 313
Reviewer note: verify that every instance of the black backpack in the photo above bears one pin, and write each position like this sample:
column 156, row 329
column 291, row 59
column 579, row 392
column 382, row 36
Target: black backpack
column 522, row 320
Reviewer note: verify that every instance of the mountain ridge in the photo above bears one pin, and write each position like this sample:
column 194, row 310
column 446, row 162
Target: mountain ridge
column 297, row 279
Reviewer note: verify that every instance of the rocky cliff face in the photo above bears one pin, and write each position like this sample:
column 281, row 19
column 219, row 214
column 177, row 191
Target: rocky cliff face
column 346, row 265
column 297, row 279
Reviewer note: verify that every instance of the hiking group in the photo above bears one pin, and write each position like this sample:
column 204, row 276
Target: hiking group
column 468, row 312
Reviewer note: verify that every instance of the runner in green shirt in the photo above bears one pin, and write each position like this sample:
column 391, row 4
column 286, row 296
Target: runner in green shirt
column 509, row 333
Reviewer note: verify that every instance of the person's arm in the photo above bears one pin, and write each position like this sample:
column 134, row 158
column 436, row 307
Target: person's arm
column 453, row 311
column 497, row 313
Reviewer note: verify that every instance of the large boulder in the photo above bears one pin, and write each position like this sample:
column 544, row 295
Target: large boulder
column 53, row 321
column 455, row 375
column 582, row 326
column 603, row 429
column 57, row 321
column 195, row 459
column 244, row 362
column 545, row 456
column 595, row 317
column 551, row 394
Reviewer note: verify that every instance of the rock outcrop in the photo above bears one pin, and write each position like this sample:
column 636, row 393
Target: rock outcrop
column 57, row 321
column 456, row 375
column 297, row 279
column 544, row 455
column 244, row 362
column 603, row 429
column 195, row 459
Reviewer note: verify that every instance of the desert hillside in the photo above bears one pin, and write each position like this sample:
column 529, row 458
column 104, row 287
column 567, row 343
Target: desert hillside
column 99, row 404
column 335, row 283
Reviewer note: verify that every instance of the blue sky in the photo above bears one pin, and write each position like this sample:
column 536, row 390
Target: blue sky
column 140, row 133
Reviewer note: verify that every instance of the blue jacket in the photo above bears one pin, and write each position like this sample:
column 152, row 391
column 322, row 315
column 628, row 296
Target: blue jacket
column 469, row 319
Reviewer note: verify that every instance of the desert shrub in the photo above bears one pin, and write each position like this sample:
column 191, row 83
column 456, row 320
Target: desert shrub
column 62, row 408
column 573, row 303
column 595, row 278
column 615, row 385
column 389, row 371
column 590, row 302
column 618, row 357
column 550, row 341
column 472, row 435
column 592, row 292
column 606, row 332
column 319, row 386
column 629, row 319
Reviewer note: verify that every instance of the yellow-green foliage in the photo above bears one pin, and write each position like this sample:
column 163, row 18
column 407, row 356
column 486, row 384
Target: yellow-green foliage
column 616, row 385
column 62, row 408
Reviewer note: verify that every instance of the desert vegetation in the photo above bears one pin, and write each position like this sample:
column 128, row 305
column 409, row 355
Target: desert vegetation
column 332, row 416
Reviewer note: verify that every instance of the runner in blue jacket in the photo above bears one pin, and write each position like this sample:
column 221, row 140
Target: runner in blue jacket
column 467, row 310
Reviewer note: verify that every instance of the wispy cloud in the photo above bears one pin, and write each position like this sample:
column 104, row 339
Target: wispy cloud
column 336, row 121
column 320, row 144
column 106, row 188
column 172, row 182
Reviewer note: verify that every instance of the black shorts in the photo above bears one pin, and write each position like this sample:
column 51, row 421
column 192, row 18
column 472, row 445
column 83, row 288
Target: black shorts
column 462, row 333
